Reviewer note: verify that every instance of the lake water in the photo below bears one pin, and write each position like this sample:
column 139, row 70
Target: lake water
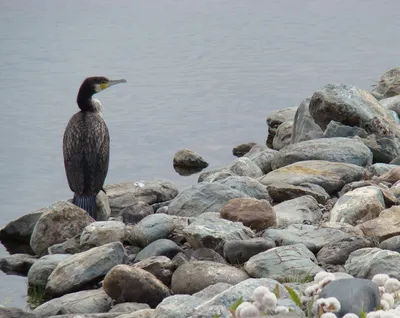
column 201, row 74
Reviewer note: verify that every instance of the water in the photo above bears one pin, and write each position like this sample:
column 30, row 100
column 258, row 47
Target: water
column 201, row 74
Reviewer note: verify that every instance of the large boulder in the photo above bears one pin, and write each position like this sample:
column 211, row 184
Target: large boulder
column 21, row 229
column 189, row 159
column 247, row 185
column 40, row 271
column 103, row 232
column 245, row 167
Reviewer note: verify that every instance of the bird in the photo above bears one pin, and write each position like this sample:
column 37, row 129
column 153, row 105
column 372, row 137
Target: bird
column 86, row 145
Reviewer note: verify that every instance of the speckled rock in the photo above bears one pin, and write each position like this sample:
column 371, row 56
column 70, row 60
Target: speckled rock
column 245, row 167
column 100, row 233
column 247, row 185
column 262, row 159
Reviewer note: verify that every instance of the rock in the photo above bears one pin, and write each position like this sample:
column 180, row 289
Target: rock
column 135, row 212
column 70, row 246
column 212, row 290
column 337, row 252
column 338, row 149
column 242, row 149
column 378, row 169
column 282, row 263
column 359, row 205
column 148, row 289
column 355, row 295
column 283, row 135
column 161, row 247
column 240, row 251
column 177, row 306
column 275, row 119
column 213, row 311
column 388, row 84
column 142, row 313
column 216, row 174
column 392, row 176
column 331, row 176
column 202, row 197
column 189, row 158
column 128, row 307
column 125, row 194
column 304, row 127
column 204, row 254
column 384, row 226
column 344, row 227
column 392, row 244
column 152, row 228
column 256, row 148
column 160, row 266
column 12, row 312
column 262, row 159
column 391, row 103
column 100, row 233
column 21, row 229
column 245, row 167
column 247, row 185
column 40, row 271
column 213, row 233
column 280, row 192
column 367, row 262
column 96, row 315
column 301, row 210
column 17, row 263
column 255, row 214
column 335, row 129
column 58, row 223
column 384, row 148
column 102, row 207
column 80, row 269
column 192, row 277
column 310, row 235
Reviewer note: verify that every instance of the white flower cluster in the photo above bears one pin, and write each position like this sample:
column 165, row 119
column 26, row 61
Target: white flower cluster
column 321, row 279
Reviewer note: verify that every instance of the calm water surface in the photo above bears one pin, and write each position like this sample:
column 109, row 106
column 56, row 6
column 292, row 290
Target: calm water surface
column 201, row 74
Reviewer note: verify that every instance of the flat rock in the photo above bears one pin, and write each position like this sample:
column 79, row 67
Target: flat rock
column 82, row 302
column 177, row 306
column 247, row 185
column 245, row 167
column 148, row 289
column 103, row 232
column 160, row 266
column 40, row 271
column 388, row 85
column 240, row 251
column 309, row 235
column 192, row 277
column 358, row 205
column 331, row 176
column 12, row 312
column 80, row 269
column 135, row 212
column 337, row 149
column 304, row 209
column 280, row 192
column 21, row 229
column 70, row 246
column 125, row 194
column 202, row 197
column 128, row 307
column 161, row 247
column 262, row 159
column 283, row 135
column 335, row 129
column 255, row 214
column 392, row 244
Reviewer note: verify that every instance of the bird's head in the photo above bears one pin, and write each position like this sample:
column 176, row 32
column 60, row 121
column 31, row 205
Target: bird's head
column 96, row 84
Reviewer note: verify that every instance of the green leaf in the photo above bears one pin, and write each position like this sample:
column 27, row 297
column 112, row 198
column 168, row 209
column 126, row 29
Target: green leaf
column 362, row 314
column 309, row 307
column 216, row 316
column 236, row 304
column 277, row 291
column 294, row 296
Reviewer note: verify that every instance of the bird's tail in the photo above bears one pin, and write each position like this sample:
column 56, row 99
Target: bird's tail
column 86, row 202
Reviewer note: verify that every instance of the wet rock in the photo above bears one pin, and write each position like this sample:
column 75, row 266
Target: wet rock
column 125, row 194
column 128, row 307
column 245, row 167
column 100, row 233
column 247, row 185
column 192, row 277
column 21, row 229
column 280, row 192
column 283, row 262
column 80, row 269
column 262, row 159
column 240, row 251
column 202, row 197
column 275, row 119
column 384, row 148
column 304, row 209
column 242, row 149
column 161, row 247
column 283, row 135
column 255, row 214
column 160, row 266
column 392, row 244
column 40, row 271
column 378, row 169
column 338, row 149
column 12, row 312
column 82, row 302
column 189, row 158
column 331, row 176
column 17, row 263
column 135, row 212
column 70, row 246
column 359, row 205
column 177, row 306
column 153, row 227
column 102, row 207
column 388, row 85
column 337, row 252
column 58, row 223
column 148, row 289
column 335, row 129
column 204, row 254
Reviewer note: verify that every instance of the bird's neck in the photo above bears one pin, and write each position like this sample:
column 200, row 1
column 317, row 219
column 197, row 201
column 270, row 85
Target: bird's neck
column 86, row 104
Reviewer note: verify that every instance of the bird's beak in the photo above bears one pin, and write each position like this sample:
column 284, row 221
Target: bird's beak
column 111, row 83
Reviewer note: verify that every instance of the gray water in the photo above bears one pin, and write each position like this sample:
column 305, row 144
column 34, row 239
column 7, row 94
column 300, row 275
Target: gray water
column 201, row 74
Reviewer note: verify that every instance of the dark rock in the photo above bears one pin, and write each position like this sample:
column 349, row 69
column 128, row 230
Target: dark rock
column 392, row 244
column 160, row 266
column 275, row 119
column 179, row 259
column 283, row 135
column 204, row 254
column 17, row 263
column 247, row 185
column 280, row 192
column 70, row 246
column 240, row 251
column 242, row 149
column 135, row 212
column 384, row 148
column 335, row 129
column 190, row 159
column 21, row 229
column 161, row 247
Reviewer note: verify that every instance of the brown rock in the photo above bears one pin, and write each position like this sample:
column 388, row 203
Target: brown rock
column 391, row 176
column 242, row 149
column 256, row 214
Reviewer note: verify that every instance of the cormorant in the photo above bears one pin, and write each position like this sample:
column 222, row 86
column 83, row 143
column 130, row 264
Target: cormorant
column 86, row 145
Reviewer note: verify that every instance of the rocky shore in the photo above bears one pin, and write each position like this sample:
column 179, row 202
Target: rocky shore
column 320, row 197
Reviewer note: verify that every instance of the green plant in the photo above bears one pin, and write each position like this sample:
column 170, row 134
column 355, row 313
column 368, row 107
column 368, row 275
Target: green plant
column 36, row 295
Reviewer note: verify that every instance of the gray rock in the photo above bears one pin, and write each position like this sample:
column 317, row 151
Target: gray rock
column 21, row 229
column 177, row 306
column 378, row 169
column 275, row 119
column 338, row 149
column 100, row 233
column 153, row 227
column 82, row 302
column 192, row 277
column 331, row 176
column 310, row 235
column 240, row 251
column 128, row 307
column 161, row 247
column 202, row 197
column 216, row 174
column 213, row 311
column 392, row 244
column 17, row 263
column 102, row 207
column 247, row 185
column 204, row 254
column 80, row 269
column 384, row 148
column 355, row 295
column 335, row 129
column 160, row 266
column 344, row 227
column 388, row 84
column 97, row 315
column 212, row 290
column 58, row 223
column 135, row 212
column 391, row 103
column 40, row 271
column 70, row 246
column 337, row 252
column 12, row 312
column 283, row 263
column 142, row 313
column 280, row 192
column 358, row 206
column 147, row 288
column 245, row 167
column 125, row 194
column 242, row 149
column 213, row 233
column 283, row 135
column 189, row 158
column 262, row 159
column 304, row 127
column 304, row 209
